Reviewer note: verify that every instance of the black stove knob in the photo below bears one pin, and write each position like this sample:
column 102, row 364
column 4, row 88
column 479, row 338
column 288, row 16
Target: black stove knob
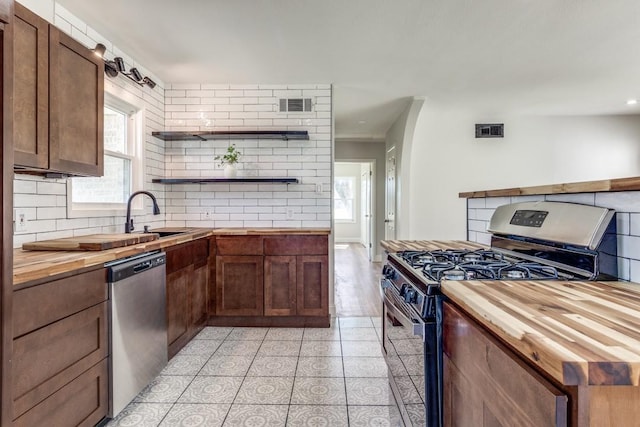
column 411, row 296
column 389, row 272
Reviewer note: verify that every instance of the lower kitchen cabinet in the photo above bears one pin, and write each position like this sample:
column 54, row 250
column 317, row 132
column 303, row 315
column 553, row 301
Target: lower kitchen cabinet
column 487, row 385
column 60, row 350
column 187, row 276
column 271, row 280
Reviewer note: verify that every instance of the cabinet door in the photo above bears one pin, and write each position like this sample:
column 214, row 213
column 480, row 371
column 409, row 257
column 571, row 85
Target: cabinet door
column 486, row 385
column 31, row 89
column 76, row 107
column 178, row 318
column 199, row 298
column 312, row 296
column 239, row 287
column 280, row 286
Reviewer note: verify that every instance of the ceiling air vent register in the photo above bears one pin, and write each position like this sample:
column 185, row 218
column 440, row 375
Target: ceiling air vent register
column 490, row 130
column 295, row 105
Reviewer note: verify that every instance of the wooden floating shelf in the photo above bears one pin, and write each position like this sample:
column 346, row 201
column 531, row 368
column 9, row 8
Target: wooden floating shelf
column 224, row 180
column 284, row 135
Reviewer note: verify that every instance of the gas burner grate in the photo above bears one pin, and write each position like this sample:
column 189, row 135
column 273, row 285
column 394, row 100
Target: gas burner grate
column 527, row 270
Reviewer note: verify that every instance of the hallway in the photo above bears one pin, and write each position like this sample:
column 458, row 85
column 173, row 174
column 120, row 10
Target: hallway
column 357, row 282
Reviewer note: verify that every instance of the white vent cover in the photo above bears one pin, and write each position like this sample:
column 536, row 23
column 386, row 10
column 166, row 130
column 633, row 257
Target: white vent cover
column 295, row 105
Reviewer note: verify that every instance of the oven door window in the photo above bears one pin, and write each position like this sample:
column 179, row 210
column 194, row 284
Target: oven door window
column 405, row 355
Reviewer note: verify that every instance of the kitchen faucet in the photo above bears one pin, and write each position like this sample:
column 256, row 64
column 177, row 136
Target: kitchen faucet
column 128, row 226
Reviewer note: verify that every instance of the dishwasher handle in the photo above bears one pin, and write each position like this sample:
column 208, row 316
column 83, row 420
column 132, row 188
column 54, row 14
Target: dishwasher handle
column 143, row 266
column 120, row 271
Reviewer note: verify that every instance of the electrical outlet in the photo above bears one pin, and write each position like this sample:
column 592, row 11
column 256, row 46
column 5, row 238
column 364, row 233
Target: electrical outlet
column 319, row 188
column 207, row 215
column 20, row 220
column 289, row 213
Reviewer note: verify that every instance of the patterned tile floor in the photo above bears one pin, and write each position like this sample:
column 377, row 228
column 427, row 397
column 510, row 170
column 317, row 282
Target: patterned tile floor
column 272, row 377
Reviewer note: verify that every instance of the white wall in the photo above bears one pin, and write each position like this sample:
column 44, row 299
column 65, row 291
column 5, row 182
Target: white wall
column 401, row 136
column 350, row 231
column 447, row 159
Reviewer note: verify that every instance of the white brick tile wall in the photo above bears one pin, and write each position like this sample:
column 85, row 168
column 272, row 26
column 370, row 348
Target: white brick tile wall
column 250, row 107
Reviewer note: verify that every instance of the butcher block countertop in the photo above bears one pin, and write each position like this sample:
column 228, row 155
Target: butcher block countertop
column 605, row 185
column 579, row 333
column 34, row 265
column 392, row 246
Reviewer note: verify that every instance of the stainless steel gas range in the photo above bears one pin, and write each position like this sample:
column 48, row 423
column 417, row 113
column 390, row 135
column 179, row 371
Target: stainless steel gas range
column 529, row 241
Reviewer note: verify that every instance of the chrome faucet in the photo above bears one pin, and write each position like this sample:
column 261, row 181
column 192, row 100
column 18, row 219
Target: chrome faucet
column 128, row 226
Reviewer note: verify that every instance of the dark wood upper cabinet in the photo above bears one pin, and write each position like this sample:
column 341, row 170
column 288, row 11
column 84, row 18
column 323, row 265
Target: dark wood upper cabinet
column 76, row 107
column 31, row 79
column 59, row 100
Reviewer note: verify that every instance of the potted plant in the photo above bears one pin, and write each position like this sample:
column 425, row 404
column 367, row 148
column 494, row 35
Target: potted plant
column 228, row 160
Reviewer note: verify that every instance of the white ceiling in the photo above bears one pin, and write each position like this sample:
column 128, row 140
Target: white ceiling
column 493, row 56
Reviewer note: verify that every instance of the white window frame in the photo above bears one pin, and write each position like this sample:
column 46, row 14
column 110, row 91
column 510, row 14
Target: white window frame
column 120, row 100
column 354, row 208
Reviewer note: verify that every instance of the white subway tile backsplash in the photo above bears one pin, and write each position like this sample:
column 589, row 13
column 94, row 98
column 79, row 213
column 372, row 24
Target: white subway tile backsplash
column 623, row 223
column 625, row 201
column 494, row 202
column 582, row 198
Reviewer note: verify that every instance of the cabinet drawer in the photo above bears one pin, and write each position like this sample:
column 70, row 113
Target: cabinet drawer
column 82, row 402
column 239, row 245
column 41, row 305
column 47, row 359
column 296, row 245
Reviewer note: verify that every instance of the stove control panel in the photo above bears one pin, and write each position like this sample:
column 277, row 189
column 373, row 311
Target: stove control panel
column 528, row 218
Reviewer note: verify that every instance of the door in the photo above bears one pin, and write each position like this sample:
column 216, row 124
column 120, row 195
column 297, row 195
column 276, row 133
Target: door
column 390, row 204
column 365, row 190
column 280, row 285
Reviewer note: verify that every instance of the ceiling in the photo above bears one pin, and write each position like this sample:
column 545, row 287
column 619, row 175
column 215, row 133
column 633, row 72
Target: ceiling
column 491, row 56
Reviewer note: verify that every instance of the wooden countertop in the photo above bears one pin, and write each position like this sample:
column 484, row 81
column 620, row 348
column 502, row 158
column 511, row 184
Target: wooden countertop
column 392, row 246
column 580, row 333
column 606, row 185
column 34, row 265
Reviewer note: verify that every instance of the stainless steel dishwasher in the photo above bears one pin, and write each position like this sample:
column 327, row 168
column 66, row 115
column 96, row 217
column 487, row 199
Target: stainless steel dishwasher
column 138, row 333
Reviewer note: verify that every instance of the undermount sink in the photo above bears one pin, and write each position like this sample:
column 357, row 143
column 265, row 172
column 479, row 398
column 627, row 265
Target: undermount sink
column 167, row 233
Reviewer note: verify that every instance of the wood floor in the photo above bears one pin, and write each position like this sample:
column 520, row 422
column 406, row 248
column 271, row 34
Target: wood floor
column 357, row 282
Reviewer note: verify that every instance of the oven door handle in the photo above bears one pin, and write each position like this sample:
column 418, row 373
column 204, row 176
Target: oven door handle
column 416, row 325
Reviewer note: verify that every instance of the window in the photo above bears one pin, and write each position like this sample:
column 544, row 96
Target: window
column 108, row 194
column 343, row 202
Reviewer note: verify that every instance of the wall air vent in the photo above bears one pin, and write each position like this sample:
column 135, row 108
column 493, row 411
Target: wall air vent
column 490, row 130
column 295, row 105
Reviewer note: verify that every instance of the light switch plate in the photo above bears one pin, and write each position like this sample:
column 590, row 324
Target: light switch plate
column 319, row 188
column 20, row 221
column 289, row 213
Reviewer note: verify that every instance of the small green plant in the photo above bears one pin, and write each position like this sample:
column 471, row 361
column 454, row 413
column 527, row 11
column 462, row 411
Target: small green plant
column 231, row 156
